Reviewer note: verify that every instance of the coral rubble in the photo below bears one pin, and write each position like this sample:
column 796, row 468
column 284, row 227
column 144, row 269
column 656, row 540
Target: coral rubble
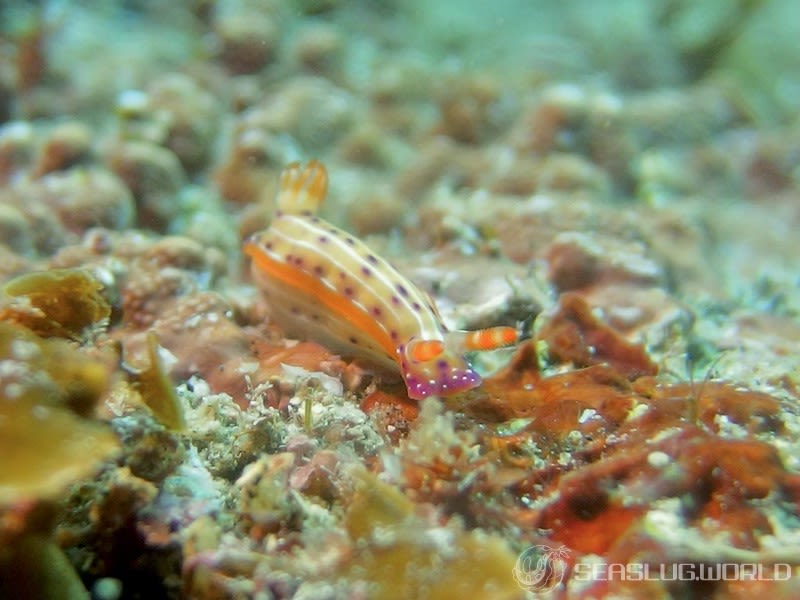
column 618, row 182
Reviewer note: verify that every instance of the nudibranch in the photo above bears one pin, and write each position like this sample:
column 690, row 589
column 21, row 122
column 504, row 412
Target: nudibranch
column 325, row 285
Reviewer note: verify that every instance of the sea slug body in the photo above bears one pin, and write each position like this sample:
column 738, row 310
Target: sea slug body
column 323, row 284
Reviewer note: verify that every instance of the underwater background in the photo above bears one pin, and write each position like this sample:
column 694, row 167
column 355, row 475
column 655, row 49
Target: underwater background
column 618, row 182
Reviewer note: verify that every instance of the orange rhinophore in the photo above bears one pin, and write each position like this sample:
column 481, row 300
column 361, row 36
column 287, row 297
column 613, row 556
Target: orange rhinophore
column 324, row 284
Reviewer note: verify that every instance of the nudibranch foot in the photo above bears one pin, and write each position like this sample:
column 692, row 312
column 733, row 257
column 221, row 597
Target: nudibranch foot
column 446, row 383
column 437, row 367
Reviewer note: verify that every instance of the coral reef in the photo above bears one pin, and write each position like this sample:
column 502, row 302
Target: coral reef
column 618, row 182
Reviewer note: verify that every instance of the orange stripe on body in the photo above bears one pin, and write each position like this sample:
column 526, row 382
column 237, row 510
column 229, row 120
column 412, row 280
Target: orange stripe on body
column 317, row 289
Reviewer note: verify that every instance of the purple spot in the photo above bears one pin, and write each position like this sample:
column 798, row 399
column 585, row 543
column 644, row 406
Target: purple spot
column 416, row 306
column 376, row 310
column 350, row 241
column 323, row 239
column 371, row 259
column 319, row 270
column 393, row 335
column 349, row 292
column 366, row 271
column 298, row 260
column 395, row 300
column 342, row 275
column 442, row 365
column 402, row 290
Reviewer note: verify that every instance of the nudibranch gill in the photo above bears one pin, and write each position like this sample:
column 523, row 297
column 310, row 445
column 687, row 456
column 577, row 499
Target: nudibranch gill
column 323, row 284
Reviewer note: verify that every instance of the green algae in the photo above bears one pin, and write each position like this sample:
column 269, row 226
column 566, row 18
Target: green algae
column 37, row 569
column 157, row 389
column 402, row 557
column 65, row 303
column 47, row 390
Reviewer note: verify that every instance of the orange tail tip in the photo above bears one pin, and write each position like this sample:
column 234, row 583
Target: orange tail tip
column 488, row 339
column 303, row 188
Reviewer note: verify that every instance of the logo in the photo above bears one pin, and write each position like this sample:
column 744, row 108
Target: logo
column 541, row 568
